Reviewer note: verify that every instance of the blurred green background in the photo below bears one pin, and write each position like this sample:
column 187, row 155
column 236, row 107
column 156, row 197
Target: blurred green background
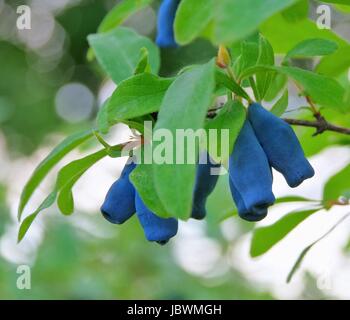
column 48, row 90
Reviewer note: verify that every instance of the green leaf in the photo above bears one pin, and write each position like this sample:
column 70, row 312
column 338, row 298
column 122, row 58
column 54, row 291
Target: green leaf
column 184, row 106
column 69, row 175
column 323, row 90
column 281, row 105
column 102, row 118
column 266, row 57
column 27, row 222
column 142, row 178
column 312, row 48
column 248, row 57
column 276, row 28
column 220, row 205
column 223, row 80
column 338, row 186
column 297, row 12
column 294, row 199
column 118, row 52
column 231, row 117
column 303, row 254
column 78, row 167
column 265, row 238
column 137, row 96
column 121, row 12
column 279, row 82
column 192, row 17
column 48, row 163
column 344, row 2
column 237, row 19
column 143, row 64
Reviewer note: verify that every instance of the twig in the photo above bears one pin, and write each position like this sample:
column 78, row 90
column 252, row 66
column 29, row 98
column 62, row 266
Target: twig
column 321, row 125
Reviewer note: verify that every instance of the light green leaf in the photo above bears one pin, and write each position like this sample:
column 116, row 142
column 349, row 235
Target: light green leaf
column 123, row 10
column 220, row 205
column 313, row 47
column 338, row 186
column 48, row 163
column 265, row 238
column 294, row 199
column 281, row 105
column 184, row 106
column 266, row 57
column 27, row 222
column 344, row 2
column 142, row 178
column 78, row 167
column 137, row 96
column 297, row 12
column 248, row 57
column 192, row 17
column 143, row 64
column 118, row 52
column 231, row 117
column 236, row 19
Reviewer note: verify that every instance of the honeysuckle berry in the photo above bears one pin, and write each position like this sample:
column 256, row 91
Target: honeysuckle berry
column 156, row 229
column 281, row 145
column 250, row 176
column 206, row 180
column 119, row 204
column 165, row 24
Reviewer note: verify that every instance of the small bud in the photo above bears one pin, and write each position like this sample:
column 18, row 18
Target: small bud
column 223, row 59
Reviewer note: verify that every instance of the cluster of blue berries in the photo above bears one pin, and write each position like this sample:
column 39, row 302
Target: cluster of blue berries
column 265, row 141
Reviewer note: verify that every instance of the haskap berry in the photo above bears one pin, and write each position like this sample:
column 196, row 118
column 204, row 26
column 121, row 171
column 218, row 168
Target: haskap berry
column 281, row 145
column 250, row 176
column 165, row 24
column 122, row 201
column 156, row 229
column 119, row 204
column 206, row 179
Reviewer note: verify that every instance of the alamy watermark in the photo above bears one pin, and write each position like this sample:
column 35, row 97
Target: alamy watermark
column 180, row 146
column 24, row 279
column 24, row 21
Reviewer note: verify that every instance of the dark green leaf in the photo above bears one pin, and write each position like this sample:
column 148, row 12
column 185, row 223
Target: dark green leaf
column 142, row 179
column 231, row 118
column 184, row 106
column 137, row 96
column 224, row 80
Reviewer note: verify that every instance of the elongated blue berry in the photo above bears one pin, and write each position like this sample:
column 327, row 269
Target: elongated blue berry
column 251, row 177
column 281, row 145
column 155, row 228
column 165, row 25
column 119, row 204
column 206, row 180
